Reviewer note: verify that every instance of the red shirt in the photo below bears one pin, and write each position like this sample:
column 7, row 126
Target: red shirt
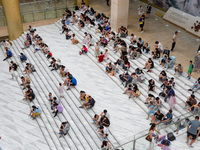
column 100, row 58
column 85, row 48
column 50, row 53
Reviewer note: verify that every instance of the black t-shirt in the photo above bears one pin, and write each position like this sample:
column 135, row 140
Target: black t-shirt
column 151, row 84
column 158, row 116
column 107, row 121
column 100, row 28
column 152, row 64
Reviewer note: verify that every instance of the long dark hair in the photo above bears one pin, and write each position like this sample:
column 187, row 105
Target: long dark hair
column 152, row 126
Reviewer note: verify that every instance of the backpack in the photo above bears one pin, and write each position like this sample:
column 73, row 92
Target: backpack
column 10, row 43
column 28, row 80
column 138, row 93
column 162, row 94
column 170, row 136
column 164, row 141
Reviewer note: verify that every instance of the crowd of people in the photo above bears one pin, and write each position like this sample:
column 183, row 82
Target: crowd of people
column 133, row 49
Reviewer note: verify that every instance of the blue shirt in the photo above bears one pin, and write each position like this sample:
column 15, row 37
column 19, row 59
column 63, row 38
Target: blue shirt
column 169, row 116
column 23, row 57
column 171, row 92
column 9, row 53
column 74, row 81
column 37, row 110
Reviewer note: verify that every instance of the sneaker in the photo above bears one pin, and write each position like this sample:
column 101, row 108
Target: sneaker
column 190, row 146
column 189, row 89
column 81, row 107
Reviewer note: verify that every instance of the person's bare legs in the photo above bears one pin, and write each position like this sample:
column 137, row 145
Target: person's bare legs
column 192, row 142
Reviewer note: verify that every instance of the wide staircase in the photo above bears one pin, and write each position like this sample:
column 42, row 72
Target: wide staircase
column 83, row 135
column 181, row 87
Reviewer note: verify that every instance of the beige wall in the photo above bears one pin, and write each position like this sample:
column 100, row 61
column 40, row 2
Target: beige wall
column 119, row 13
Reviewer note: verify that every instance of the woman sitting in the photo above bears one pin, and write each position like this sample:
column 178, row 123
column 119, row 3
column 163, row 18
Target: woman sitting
column 162, row 76
column 151, row 85
column 149, row 65
column 90, row 42
column 141, row 76
column 146, row 48
column 29, row 68
column 63, row 72
column 64, row 128
column 135, row 91
column 156, row 54
column 74, row 40
column 81, row 24
column 150, row 98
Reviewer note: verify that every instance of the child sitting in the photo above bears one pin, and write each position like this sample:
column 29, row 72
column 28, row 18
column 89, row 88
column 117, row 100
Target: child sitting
column 83, row 50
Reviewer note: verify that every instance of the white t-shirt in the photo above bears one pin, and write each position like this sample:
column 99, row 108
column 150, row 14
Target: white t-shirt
column 160, row 46
column 105, row 130
column 174, row 37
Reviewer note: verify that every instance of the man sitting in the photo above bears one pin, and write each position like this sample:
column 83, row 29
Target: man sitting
column 178, row 69
column 29, row 93
column 103, row 131
column 168, row 117
column 170, row 62
column 88, row 104
column 191, row 101
column 22, row 57
column 157, row 117
column 13, row 67
column 8, row 54
column 196, row 85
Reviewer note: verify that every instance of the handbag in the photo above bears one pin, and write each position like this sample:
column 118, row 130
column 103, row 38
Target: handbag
column 148, row 138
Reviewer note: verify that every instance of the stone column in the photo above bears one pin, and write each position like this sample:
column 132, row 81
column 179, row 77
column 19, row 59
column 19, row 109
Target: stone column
column 119, row 13
column 85, row 1
column 13, row 18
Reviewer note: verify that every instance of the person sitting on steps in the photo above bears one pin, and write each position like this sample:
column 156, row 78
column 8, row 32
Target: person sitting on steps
column 35, row 111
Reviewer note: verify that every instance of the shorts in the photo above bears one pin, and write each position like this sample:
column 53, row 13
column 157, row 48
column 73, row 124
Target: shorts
column 189, row 103
column 141, row 25
column 90, row 106
column 157, row 120
column 192, row 135
column 190, row 71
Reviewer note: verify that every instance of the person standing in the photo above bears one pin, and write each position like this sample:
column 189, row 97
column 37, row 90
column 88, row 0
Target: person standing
column 193, row 130
column 148, row 11
column 141, row 22
column 191, row 66
column 152, row 135
column 197, row 62
column 107, row 2
column 174, row 40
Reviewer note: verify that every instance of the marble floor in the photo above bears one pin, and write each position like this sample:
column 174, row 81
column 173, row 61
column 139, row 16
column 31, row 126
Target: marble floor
column 157, row 29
